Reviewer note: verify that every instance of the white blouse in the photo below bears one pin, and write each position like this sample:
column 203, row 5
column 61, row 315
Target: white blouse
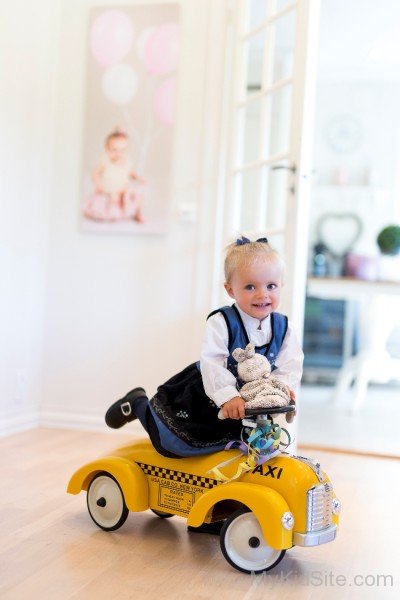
column 219, row 382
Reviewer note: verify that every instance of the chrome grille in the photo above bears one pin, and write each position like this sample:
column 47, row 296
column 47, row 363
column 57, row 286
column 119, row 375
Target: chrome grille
column 319, row 506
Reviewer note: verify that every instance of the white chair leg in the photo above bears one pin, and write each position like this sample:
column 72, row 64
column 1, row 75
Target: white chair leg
column 361, row 384
column 345, row 379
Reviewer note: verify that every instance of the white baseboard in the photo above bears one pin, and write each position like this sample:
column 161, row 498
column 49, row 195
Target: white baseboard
column 82, row 422
column 53, row 419
column 16, row 423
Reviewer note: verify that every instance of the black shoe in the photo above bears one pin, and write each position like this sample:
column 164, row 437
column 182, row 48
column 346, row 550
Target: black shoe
column 213, row 528
column 121, row 412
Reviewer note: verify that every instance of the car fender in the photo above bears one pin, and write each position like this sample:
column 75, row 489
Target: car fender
column 130, row 477
column 266, row 504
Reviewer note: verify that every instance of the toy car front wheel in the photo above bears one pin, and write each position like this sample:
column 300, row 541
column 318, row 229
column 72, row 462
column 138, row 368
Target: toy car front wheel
column 106, row 503
column 244, row 546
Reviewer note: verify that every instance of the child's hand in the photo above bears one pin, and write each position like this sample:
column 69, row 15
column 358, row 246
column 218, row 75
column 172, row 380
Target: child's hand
column 290, row 416
column 234, row 408
column 137, row 178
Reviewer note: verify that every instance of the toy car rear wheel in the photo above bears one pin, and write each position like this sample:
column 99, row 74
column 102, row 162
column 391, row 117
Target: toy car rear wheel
column 244, row 546
column 162, row 515
column 106, row 502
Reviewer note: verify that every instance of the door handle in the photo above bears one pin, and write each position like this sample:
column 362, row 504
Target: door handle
column 278, row 167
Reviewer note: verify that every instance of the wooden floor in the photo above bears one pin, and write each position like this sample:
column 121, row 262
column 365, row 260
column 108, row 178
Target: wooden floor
column 355, row 431
column 50, row 548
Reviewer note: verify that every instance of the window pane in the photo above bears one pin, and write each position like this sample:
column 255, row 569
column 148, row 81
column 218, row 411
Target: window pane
column 283, row 31
column 278, row 64
column 254, row 48
column 279, row 180
column 252, row 124
column 257, row 13
column 281, row 4
column 250, row 194
column 277, row 135
column 260, row 139
column 262, row 198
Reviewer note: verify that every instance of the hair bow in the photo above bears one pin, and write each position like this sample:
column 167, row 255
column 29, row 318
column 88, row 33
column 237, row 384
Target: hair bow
column 242, row 240
column 245, row 240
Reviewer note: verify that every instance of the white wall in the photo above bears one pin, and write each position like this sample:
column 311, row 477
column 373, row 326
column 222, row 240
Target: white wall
column 373, row 106
column 27, row 68
column 123, row 311
column 86, row 317
column 359, row 42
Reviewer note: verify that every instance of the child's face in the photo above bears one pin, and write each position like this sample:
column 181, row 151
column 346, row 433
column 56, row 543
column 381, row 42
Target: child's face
column 256, row 288
column 116, row 147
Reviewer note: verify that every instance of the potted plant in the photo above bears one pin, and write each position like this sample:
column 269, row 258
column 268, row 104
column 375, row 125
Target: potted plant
column 388, row 241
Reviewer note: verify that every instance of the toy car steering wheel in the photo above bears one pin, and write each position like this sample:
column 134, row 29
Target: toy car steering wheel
column 258, row 412
column 272, row 410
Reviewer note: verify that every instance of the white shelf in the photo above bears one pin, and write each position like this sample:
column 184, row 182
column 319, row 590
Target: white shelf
column 349, row 288
column 347, row 188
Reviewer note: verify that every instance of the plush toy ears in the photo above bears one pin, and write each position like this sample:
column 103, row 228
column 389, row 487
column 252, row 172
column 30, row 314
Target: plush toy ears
column 241, row 355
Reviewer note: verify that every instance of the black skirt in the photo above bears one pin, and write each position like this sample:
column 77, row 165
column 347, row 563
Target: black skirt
column 184, row 407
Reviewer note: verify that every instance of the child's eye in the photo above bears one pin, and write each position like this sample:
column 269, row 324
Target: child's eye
column 249, row 286
column 271, row 286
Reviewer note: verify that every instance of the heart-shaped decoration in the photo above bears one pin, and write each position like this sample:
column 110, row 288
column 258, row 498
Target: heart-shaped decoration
column 339, row 231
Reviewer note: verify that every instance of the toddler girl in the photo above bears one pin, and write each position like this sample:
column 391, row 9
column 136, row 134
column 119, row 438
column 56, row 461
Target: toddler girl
column 118, row 194
column 181, row 418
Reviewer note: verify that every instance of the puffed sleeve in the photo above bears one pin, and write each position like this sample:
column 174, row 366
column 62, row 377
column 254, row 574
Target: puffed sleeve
column 289, row 362
column 219, row 383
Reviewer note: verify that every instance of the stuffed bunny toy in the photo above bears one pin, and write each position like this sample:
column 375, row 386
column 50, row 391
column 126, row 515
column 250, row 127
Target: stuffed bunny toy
column 261, row 389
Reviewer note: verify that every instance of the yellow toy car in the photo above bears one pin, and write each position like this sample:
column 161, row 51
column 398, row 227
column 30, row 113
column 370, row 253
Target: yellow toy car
column 268, row 508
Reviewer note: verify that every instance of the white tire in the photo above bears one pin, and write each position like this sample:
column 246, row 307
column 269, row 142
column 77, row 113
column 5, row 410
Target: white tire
column 244, row 546
column 106, row 503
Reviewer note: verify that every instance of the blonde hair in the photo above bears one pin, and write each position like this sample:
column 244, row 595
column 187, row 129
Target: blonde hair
column 116, row 133
column 248, row 253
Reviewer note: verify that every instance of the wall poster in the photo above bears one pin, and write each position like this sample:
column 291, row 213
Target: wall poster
column 129, row 118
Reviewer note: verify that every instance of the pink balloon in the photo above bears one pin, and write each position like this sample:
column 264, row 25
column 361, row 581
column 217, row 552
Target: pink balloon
column 111, row 37
column 164, row 101
column 161, row 50
column 142, row 41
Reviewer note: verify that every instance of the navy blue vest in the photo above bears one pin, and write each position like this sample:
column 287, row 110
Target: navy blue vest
column 238, row 337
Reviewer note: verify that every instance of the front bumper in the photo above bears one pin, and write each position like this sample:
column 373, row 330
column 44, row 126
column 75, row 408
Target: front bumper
column 315, row 538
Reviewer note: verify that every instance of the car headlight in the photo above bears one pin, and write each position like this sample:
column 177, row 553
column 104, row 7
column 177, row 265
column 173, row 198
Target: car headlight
column 336, row 506
column 287, row 520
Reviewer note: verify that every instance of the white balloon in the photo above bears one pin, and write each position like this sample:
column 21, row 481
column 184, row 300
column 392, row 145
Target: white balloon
column 119, row 83
column 142, row 41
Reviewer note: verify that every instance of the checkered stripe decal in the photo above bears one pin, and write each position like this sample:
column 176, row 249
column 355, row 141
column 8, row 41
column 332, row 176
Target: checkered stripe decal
column 188, row 478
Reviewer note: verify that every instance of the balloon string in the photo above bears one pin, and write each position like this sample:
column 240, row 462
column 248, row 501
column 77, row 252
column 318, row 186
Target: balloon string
column 150, row 135
column 262, row 445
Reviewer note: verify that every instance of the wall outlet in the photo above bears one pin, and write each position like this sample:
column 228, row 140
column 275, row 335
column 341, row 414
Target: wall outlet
column 187, row 212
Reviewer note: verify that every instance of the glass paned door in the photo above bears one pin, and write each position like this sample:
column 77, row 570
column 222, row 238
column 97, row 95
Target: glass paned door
column 269, row 142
